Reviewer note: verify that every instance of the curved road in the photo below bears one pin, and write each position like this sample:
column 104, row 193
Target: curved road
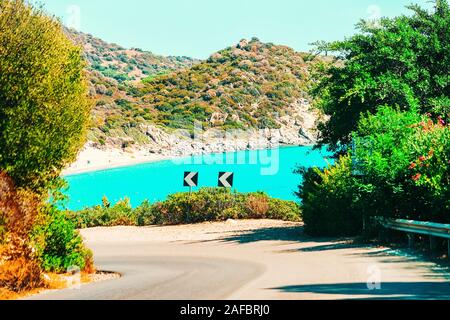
column 249, row 260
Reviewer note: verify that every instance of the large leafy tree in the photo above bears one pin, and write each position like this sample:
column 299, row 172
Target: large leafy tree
column 44, row 109
column 402, row 62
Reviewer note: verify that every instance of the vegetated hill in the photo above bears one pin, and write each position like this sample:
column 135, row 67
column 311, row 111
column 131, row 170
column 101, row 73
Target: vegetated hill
column 252, row 84
column 113, row 73
column 114, row 61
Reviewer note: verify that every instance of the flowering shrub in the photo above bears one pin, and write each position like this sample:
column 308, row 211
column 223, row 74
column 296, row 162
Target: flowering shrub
column 404, row 158
column 399, row 168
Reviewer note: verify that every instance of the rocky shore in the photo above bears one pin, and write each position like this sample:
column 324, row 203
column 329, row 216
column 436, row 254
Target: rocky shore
column 297, row 129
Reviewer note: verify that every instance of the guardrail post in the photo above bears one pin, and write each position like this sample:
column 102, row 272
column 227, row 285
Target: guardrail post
column 432, row 243
column 448, row 249
column 411, row 239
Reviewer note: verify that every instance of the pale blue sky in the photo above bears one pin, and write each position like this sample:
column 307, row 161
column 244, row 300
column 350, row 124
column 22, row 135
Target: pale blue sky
column 197, row 28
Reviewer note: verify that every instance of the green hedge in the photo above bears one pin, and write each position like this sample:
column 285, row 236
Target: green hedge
column 208, row 204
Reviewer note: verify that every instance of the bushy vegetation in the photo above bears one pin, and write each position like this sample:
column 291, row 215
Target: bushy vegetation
column 44, row 108
column 19, row 211
column 389, row 98
column 402, row 62
column 44, row 114
column 330, row 198
column 247, row 85
column 404, row 160
column 208, row 204
column 58, row 244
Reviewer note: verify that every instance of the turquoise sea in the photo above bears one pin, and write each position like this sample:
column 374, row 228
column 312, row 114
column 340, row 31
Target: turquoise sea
column 261, row 170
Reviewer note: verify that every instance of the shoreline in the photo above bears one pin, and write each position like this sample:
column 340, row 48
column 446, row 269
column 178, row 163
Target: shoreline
column 92, row 159
column 109, row 165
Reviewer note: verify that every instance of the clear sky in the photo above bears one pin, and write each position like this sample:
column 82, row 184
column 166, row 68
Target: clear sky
column 197, row 28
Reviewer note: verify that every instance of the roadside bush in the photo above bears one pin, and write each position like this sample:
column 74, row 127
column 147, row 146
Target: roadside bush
column 404, row 158
column 147, row 214
column 59, row 245
column 207, row 204
column 329, row 200
column 19, row 211
column 44, row 116
column 283, row 210
column 20, row 275
column 257, row 206
column 105, row 215
column 399, row 168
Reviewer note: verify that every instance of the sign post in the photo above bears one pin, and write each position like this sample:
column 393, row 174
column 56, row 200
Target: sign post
column 190, row 180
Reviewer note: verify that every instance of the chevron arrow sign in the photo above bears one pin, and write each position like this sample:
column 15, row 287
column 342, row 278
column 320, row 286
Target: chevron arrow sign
column 226, row 179
column 191, row 179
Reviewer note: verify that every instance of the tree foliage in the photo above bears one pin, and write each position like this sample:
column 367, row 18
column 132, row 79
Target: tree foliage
column 403, row 62
column 388, row 96
column 44, row 109
column 44, row 113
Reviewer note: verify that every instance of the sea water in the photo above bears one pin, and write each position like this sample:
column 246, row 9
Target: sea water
column 271, row 171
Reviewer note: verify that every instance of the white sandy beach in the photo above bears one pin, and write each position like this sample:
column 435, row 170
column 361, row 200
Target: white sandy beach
column 93, row 159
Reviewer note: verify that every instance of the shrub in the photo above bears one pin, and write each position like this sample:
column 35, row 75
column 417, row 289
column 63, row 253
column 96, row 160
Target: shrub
column 20, row 275
column 19, row 211
column 404, row 159
column 329, row 197
column 44, row 114
column 207, row 204
column 106, row 215
column 283, row 210
column 399, row 168
column 147, row 215
column 257, row 206
column 59, row 245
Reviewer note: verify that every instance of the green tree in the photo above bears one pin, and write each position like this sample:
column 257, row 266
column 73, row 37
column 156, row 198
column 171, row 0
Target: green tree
column 403, row 62
column 44, row 108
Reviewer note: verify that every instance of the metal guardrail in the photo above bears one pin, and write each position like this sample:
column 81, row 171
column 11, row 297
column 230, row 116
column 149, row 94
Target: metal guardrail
column 433, row 230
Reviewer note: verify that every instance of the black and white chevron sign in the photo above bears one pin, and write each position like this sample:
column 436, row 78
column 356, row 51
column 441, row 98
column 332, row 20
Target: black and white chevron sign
column 226, row 179
column 191, row 179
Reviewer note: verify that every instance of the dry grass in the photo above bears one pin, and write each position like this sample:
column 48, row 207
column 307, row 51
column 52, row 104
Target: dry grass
column 20, row 209
column 258, row 206
column 54, row 281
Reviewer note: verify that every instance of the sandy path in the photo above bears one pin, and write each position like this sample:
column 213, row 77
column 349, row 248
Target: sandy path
column 249, row 260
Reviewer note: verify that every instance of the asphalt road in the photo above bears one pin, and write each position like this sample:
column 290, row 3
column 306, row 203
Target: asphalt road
column 249, row 260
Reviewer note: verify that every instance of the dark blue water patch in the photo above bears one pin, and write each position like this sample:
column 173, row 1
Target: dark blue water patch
column 271, row 171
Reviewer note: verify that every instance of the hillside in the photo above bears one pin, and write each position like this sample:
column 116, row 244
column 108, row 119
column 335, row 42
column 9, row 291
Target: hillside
column 140, row 98
column 250, row 85
column 133, row 65
column 114, row 73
